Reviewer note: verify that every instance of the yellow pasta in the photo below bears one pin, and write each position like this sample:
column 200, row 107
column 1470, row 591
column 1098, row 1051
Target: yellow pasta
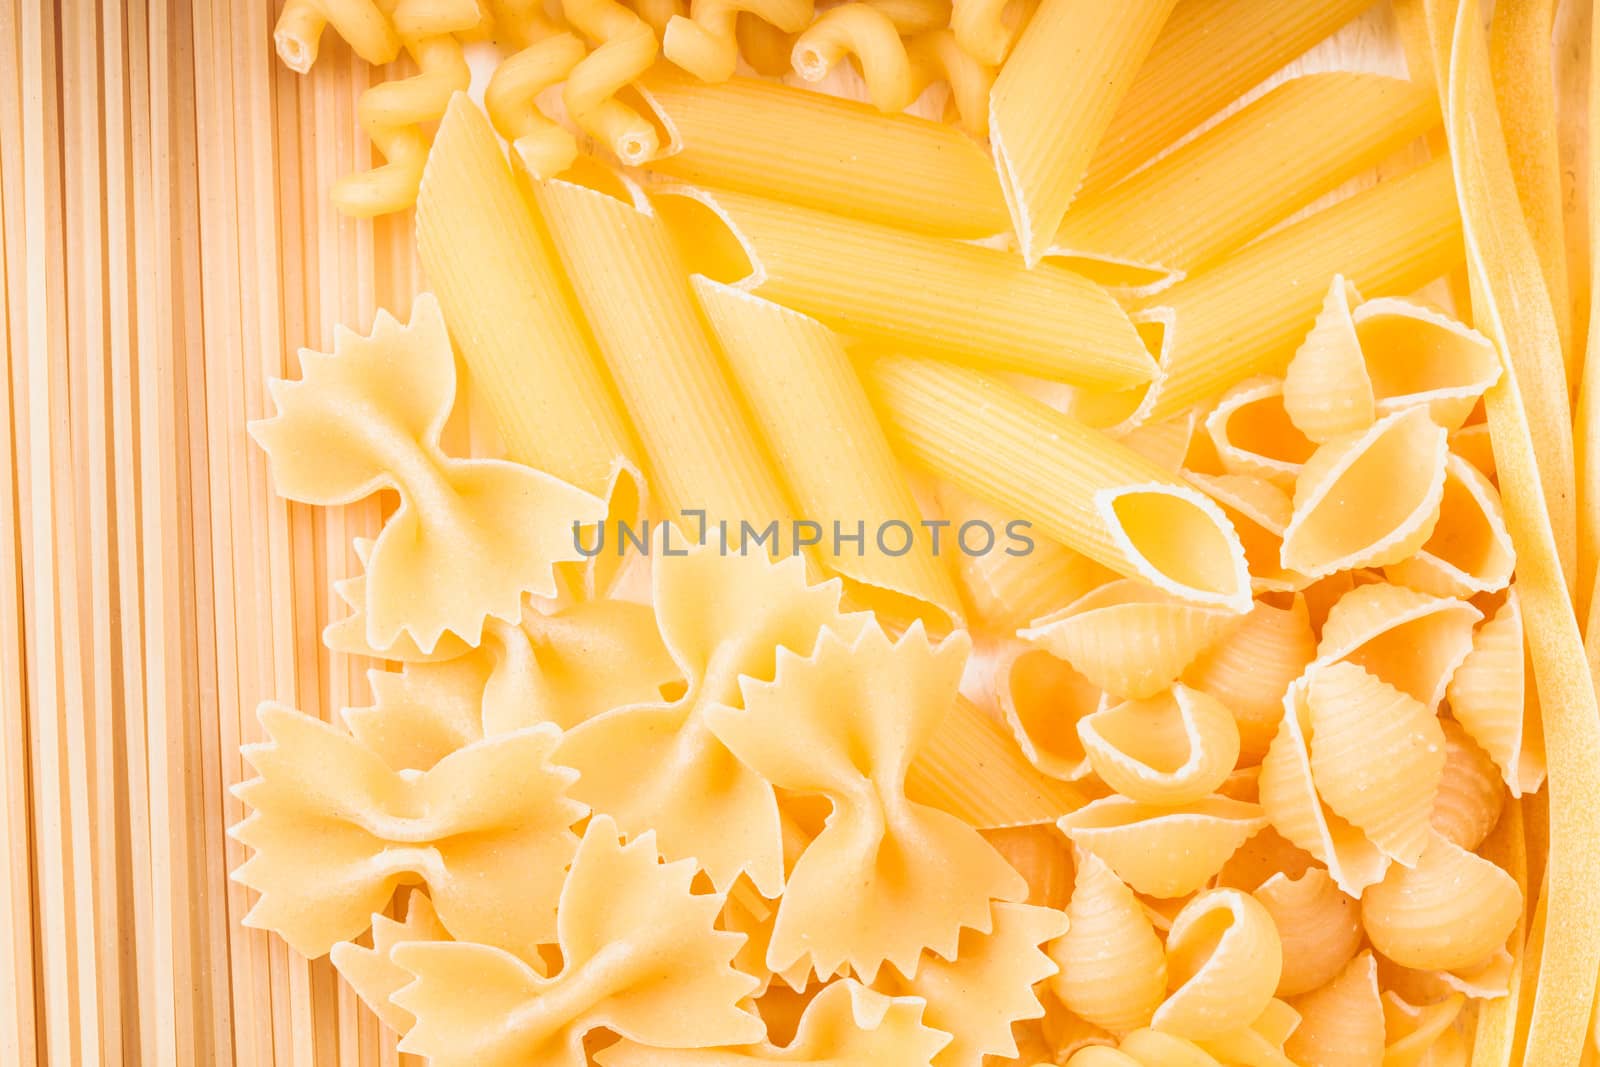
column 1410, row 640
column 1491, row 698
column 1044, row 859
column 1223, row 963
column 1367, row 499
column 1470, row 549
column 1327, row 392
column 1173, row 749
column 1261, row 1043
column 1251, row 668
column 1412, row 1031
column 861, row 30
column 1113, row 969
column 1254, row 436
column 1416, row 356
column 851, row 276
column 361, row 23
column 1452, row 909
column 544, row 147
column 1093, row 495
column 704, row 43
column 1341, row 1024
column 1163, row 851
column 936, row 56
column 1260, row 513
column 983, row 30
column 1472, row 444
column 625, row 48
column 372, row 973
column 1320, row 928
column 1297, row 142
column 796, row 376
column 1144, row 1048
column 1129, row 638
column 1470, row 796
column 1044, row 121
column 1043, row 699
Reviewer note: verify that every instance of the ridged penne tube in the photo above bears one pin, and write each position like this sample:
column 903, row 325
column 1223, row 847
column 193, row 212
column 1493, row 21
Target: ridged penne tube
column 704, row 43
column 1246, row 315
column 1453, row 909
column 795, row 375
column 626, row 46
column 1327, row 391
column 1368, row 499
column 826, row 153
column 1129, row 638
column 1171, row 749
column 1320, row 928
column 1377, row 756
column 1296, row 143
column 1113, row 968
column 861, row 30
column 1045, row 119
column 1163, row 851
column 1490, row 696
column 1077, row 486
column 543, row 145
column 636, row 297
column 1223, row 962
column 1042, row 699
column 1260, row 513
column 1471, row 795
column 1341, row 1024
column 1470, row 549
column 1254, row 435
column 499, row 285
column 1249, row 670
column 1411, row 640
column 1048, row 322
column 361, row 23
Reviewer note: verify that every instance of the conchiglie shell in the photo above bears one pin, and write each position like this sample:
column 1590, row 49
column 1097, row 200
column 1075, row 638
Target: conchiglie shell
column 1129, row 638
column 1376, row 757
column 1472, row 444
column 1412, row 1030
column 1291, row 801
column 1412, row 640
column 1244, row 783
column 1169, row 749
column 1471, row 794
column 1417, row 356
column 1223, row 962
column 1164, row 443
column 1470, row 551
column 1100, row 1056
column 1484, row 980
column 1266, row 854
column 1044, row 859
column 1341, row 1024
column 1163, row 851
column 1251, row 668
column 1491, row 698
column 1320, row 928
column 1254, row 435
column 1259, row 511
column 1042, row 699
column 1368, row 499
column 1452, row 910
column 1113, row 968
column 1326, row 390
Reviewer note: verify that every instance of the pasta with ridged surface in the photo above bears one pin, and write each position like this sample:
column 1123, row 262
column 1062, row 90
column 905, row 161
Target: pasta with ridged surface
column 1170, row 749
column 1224, row 959
column 1113, row 967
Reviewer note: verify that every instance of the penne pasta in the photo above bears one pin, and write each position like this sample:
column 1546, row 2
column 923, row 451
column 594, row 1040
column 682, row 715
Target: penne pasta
column 1046, row 118
column 853, row 277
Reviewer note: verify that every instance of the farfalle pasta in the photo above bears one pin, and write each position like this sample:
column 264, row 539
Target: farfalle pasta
column 371, row 971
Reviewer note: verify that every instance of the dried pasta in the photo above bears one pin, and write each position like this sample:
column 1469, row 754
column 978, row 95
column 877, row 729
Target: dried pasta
column 1491, row 698
column 1042, row 699
column 1470, row 550
column 1342, row 1022
column 1253, row 434
column 625, row 48
column 361, row 23
column 372, row 973
column 1452, row 909
column 1163, row 851
column 1172, row 749
column 1223, row 962
column 1470, row 797
column 704, row 44
column 543, row 146
column 1113, row 966
column 1408, row 639
column 1251, row 668
column 1319, row 926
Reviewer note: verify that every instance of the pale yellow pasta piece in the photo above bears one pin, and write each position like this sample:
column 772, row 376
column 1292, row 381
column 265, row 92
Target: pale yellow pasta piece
column 1166, row 443
column 1471, row 794
column 1130, row 638
column 1490, row 696
column 1113, row 967
column 1251, row 668
column 1411, row 640
column 1170, row 749
column 982, row 29
column 1377, row 756
column 1223, row 963
column 1411, row 1031
column 334, row 831
column 878, row 882
column 851, row 275
column 1470, row 549
column 1064, row 1033
column 544, row 147
column 936, row 56
column 1042, row 699
column 1341, row 1024
column 1472, row 444
column 761, row 44
column 822, row 152
column 1045, row 119
column 470, row 535
column 361, row 23
column 796, row 376
column 625, row 48
column 499, row 285
column 1327, row 391
column 1261, row 1043
column 861, row 30
column 1074, row 484
column 1163, row 851
column 1260, row 512
column 349, row 634
column 1266, row 854
column 1367, row 499
column 639, row 955
column 704, row 43
column 1253, row 434
column 1417, row 356
column 373, row 974
column 1144, row 1048
column 1451, row 910
column 1320, row 928
column 1255, row 168
column 1044, row 859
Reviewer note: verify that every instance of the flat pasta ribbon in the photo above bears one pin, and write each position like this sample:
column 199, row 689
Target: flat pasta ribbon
column 335, row 831
column 887, row 876
column 470, row 535
column 640, row 957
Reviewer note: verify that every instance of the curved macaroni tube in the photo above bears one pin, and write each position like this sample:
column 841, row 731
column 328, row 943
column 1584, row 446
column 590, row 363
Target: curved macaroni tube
column 937, row 56
column 979, row 25
column 626, row 50
column 545, row 148
column 392, row 113
column 704, row 43
column 360, row 22
column 863, row 31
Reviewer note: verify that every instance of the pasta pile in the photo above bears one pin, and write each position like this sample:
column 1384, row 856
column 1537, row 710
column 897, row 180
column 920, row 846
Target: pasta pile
column 1148, row 653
